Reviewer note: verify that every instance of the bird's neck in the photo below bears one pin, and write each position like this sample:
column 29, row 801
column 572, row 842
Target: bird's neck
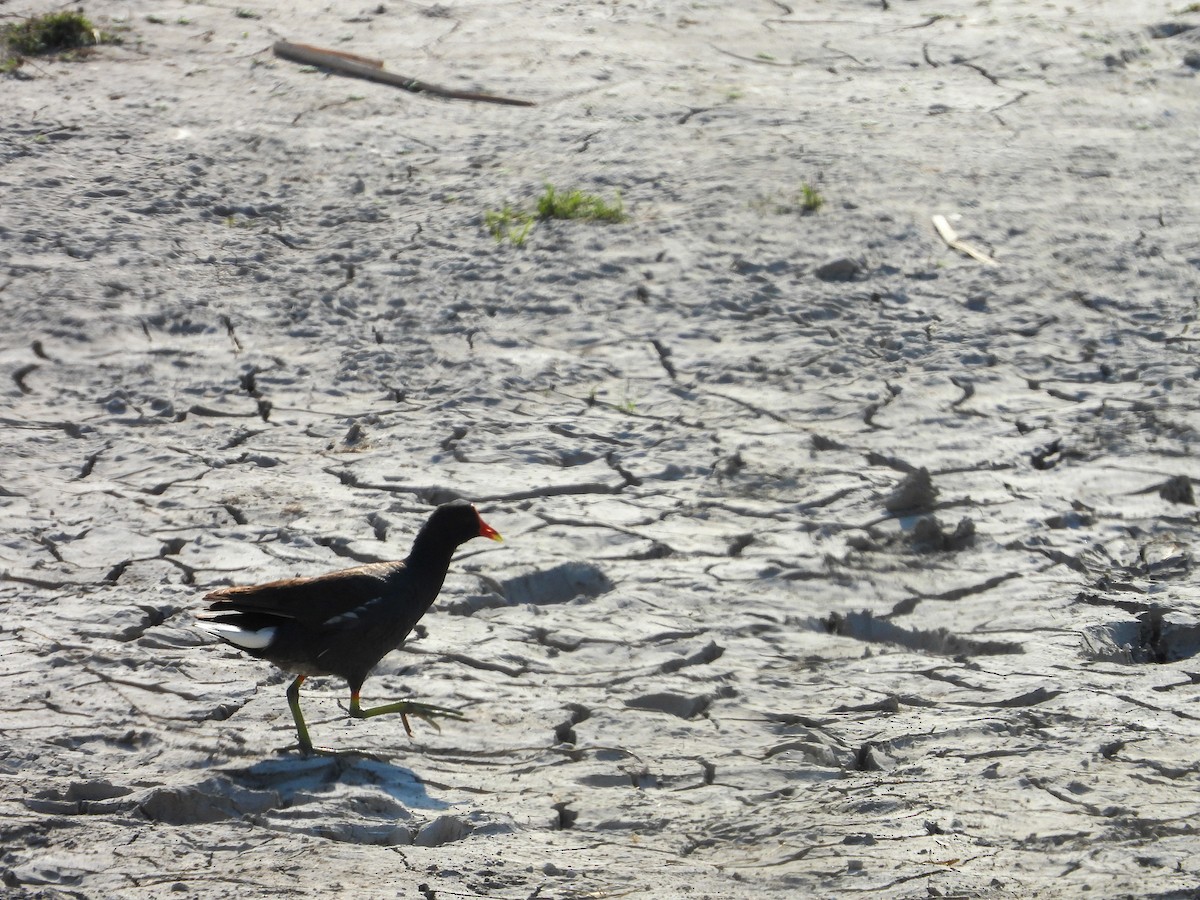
column 429, row 555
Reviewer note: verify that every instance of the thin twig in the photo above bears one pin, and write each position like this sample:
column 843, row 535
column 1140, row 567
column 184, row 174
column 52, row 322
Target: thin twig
column 360, row 67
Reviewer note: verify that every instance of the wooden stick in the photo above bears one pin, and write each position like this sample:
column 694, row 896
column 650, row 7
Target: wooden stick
column 372, row 70
column 951, row 238
column 353, row 57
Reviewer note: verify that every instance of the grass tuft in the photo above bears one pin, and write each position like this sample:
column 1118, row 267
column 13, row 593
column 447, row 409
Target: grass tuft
column 60, row 32
column 555, row 204
column 508, row 224
column 513, row 225
column 810, row 199
column 805, row 202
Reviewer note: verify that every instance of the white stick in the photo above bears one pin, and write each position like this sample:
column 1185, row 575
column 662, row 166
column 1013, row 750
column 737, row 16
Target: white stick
column 951, row 238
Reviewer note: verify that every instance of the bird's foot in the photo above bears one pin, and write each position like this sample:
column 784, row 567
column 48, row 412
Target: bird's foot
column 425, row 711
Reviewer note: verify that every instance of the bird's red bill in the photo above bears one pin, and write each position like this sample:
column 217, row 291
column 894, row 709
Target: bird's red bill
column 487, row 531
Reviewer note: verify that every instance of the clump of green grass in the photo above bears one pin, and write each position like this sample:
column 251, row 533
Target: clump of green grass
column 806, row 202
column 60, row 32
column 555, row 204
column 810, row 198
column 508, row 224
column 514, row 225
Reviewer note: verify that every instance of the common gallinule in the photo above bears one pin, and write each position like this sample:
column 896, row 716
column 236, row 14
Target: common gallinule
column 344, row 622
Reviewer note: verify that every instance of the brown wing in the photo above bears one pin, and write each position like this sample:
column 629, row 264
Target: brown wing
column 309, row 601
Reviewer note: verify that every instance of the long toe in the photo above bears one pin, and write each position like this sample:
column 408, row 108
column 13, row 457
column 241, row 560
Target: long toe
column 428, row 713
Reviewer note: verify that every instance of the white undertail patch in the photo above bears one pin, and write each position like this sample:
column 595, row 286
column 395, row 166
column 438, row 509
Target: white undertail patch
column 239, row 637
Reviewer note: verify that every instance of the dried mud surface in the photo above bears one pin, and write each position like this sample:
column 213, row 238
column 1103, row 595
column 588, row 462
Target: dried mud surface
column 838, row 563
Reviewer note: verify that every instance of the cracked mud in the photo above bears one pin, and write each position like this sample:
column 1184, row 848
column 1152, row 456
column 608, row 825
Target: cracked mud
column 837, row 562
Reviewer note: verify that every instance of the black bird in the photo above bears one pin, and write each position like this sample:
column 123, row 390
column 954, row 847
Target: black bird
column 344, row 623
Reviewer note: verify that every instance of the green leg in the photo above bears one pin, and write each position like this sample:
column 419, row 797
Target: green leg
column 293, row 695
column 406, row 708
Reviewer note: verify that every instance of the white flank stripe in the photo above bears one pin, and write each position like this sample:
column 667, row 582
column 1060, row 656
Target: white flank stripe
column 239, row 637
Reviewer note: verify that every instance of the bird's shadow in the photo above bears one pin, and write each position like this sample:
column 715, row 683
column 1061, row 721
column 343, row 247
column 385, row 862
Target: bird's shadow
column 295, row 777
